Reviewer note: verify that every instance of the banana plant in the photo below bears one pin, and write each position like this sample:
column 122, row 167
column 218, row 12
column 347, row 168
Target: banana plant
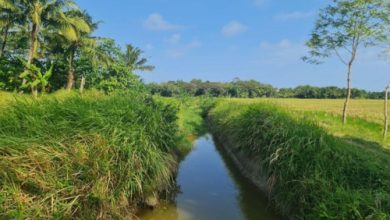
column 35, row 78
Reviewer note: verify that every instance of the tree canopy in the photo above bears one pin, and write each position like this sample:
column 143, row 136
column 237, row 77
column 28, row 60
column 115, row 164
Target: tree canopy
column 57, row 37
column 345, row 26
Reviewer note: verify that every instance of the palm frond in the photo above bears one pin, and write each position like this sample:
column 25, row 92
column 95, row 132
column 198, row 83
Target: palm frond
column 134, row 61
column 7, row 4
column 68, row 32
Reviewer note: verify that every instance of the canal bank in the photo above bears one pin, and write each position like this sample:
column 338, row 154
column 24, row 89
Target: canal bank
column 310, row 173
column 211, row 187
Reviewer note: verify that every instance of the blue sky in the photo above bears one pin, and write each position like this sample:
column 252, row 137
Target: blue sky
column 219, row 40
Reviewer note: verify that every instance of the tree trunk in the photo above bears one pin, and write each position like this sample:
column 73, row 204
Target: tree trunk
column 349, row 93
column 33, row 46
column 43, row 88
column 386, row 116
column 70, row 77
column 349, row 87
column 6, row 32
column 82, row 84
column 34, row 91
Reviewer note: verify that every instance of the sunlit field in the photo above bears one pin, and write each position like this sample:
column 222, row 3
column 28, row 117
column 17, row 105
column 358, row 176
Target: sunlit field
column 370, row 110
column 365, row 117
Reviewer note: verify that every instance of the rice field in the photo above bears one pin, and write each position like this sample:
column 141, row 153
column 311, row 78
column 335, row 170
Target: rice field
column 365, row 123
column 370, row 110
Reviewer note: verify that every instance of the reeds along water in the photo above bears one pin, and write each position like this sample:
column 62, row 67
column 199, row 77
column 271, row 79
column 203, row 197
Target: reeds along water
column 84, row 157
column 311, row 174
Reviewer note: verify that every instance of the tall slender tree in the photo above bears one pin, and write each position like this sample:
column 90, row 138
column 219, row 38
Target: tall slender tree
column 344, row 27
column 41, row 14
column 75, row 27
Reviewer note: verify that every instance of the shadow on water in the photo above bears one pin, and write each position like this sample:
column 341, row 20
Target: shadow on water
column 253, row 202
column 212, row 188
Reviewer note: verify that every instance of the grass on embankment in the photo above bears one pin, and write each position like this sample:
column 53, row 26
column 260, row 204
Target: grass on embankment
column 190, row 117
column 95, row 156
column 365, row 121
column 311, row 174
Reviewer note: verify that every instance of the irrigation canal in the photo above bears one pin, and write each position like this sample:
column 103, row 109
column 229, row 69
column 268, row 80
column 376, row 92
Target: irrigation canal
column 212, row 188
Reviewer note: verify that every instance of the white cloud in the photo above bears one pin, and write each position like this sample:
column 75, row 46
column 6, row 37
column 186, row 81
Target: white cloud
column 174, row 39
column 294, row 15
column 282, row 52
column 233, row 28
column 260, row 3
column 155, row 22
column 181, row 51
column 287, row 52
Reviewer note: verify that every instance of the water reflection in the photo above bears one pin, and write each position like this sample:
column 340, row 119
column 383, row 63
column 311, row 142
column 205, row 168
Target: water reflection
column 253, row 203
column 212, row 188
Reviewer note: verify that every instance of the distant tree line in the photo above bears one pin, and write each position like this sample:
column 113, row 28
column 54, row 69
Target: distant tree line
column 253, row 89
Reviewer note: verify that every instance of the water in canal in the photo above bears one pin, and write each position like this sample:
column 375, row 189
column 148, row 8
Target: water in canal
column 212, row 188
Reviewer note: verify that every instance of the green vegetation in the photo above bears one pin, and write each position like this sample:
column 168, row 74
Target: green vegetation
column 56, row 37
column 86, row 157
column 101, row 154
column 311, row 174
column 253, row 89
column 5, row 98
column 366, row 117
column 190, row 116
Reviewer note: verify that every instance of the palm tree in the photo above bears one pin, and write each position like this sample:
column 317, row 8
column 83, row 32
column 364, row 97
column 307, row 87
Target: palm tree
column 40, row 14
column 75, row 27
column 10, row 16
column 134, row 61
column 43, row 14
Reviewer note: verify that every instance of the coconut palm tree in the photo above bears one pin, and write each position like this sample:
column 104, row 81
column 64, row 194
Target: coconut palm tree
column 134, row 61
column 48, row 14
column 40, row 14
column 75, row 27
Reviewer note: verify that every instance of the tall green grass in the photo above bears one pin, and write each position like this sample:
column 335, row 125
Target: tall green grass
column 311, row 174
column 190, row 117
column 84, row 157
